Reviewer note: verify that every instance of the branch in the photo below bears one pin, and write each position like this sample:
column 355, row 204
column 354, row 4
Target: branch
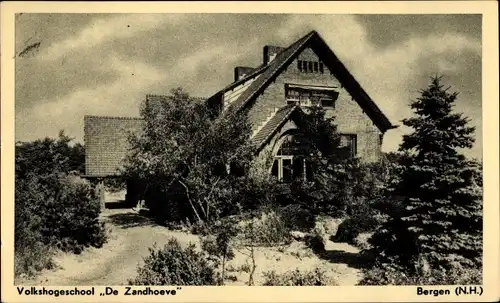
column 190, row 201
column 207, row 198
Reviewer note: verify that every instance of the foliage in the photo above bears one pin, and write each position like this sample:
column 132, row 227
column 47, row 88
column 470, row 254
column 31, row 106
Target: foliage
column 115, row 185
column 218, row 243
column 297, row 218
column 438, row 214
column 64, row 215
column 364, row 218
column 47, row 156
column 268, row 228
column 32, row 258
column 183, row 152
column 175, row 265
column 316, row 277
column 53, row 207
column 337, row 181
column 31, row 255
column 390, row 275
column 316, row 242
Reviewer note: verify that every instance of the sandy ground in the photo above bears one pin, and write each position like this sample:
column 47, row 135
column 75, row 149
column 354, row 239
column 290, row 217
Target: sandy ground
column 131, row 235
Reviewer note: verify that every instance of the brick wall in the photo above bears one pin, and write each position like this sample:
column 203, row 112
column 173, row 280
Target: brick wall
column 350, row 118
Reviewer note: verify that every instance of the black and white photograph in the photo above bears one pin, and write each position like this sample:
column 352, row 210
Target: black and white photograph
column 248, row 149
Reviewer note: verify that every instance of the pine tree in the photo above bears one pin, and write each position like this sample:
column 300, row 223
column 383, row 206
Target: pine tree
column 439, row 218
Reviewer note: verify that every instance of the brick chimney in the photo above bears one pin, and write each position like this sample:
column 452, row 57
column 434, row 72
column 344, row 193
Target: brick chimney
column 270, row 52
column 241, row 71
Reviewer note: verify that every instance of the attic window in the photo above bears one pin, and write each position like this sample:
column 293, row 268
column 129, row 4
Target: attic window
column 310, row 66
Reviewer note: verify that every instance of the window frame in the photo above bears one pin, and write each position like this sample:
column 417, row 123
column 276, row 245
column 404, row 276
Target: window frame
column 353, row 143
column 286, row 139
column 303, row 95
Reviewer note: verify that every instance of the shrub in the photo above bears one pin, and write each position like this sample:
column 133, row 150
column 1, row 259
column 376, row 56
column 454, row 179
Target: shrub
column 218, row 243
column 63, row 213
column 53, row 207
column 115, row 185
column 316, row 242
column 390, row 275
column 31, row 258
column 363, row 219
column 175, row 265
column 269, row 229
column 316, row 277
column 297, row 217
column 71, row 217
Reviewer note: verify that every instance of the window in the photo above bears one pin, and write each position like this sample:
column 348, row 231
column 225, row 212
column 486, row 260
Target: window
column 288, row 163
column 305, row 95
column 349, row 141
column 310, row 66
column 328, row 102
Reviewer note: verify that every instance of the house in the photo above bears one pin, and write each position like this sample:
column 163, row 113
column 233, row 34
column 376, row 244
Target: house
column 289, row 80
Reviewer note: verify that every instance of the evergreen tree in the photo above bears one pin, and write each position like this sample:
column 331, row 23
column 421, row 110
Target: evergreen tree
column 438, row 220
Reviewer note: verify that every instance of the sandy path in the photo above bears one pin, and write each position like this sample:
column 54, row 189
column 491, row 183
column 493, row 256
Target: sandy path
column 113, row 264
column 131, row 236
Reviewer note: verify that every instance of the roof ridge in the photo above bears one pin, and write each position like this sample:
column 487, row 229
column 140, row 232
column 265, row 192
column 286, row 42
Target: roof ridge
column 191, row 97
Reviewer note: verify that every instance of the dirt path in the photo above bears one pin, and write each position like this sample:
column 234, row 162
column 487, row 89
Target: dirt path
column 131, row 235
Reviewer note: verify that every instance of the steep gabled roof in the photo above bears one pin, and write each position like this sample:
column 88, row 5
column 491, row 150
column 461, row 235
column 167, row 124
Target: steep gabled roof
column 273, row 125
column 284, row 58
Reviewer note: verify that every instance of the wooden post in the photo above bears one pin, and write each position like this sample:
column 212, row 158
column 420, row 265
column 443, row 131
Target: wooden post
column 100, row 193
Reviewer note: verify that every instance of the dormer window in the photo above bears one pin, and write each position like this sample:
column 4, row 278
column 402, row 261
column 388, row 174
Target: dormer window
column 306, row 95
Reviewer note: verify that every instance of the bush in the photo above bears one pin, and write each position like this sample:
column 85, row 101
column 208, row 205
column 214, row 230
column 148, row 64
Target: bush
column 298, row 218
column 71, row 216
column 269, row 229
column 316, row 277
column 63, row 213
column 390, row 275
column 31, row 258
column 363, row 219
column 217, row 244
column 53, row 207
column 175, row 265
column 316, row 242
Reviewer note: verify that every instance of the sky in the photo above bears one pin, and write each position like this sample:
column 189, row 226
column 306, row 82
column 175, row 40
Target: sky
column 105, row 64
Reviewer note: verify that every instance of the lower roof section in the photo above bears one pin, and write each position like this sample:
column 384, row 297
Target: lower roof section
column 107, row 143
